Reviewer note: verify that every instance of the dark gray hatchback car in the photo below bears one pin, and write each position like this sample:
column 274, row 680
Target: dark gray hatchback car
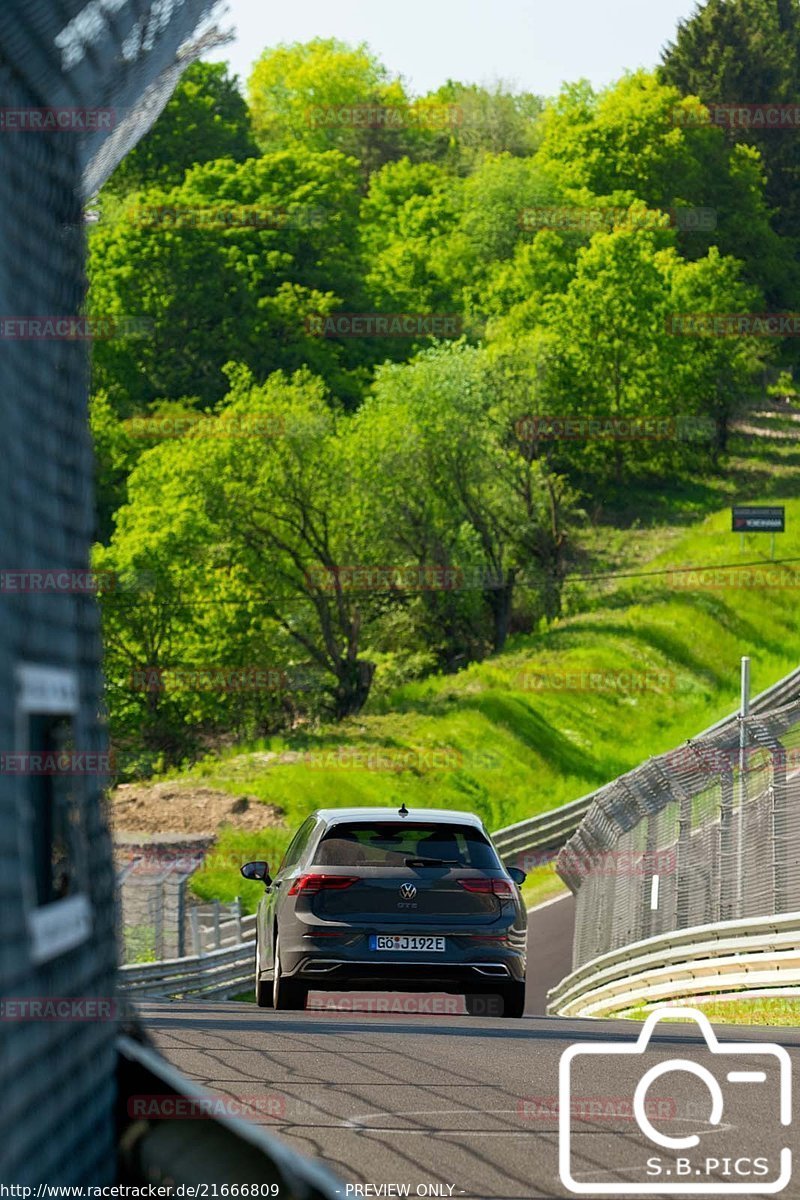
column 395, row 899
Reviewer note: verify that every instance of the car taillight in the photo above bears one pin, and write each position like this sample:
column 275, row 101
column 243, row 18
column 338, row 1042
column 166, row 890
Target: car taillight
column 499, row 887
column 321, row 883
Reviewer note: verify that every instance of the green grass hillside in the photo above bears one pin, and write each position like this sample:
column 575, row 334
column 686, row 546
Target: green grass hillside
column 646, row 663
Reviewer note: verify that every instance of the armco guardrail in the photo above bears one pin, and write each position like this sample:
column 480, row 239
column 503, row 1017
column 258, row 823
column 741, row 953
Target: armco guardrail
column 547, row 831
column 213, row 976
column 550, row 830
column 725, row 958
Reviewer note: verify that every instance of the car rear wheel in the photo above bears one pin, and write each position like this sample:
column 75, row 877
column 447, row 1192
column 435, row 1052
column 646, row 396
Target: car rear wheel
column 513, row 999
column 286, row 993
column 480, row 1004
column 263, row 988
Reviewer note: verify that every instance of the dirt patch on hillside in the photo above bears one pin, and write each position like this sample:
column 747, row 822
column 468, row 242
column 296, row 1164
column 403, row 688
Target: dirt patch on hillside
column 169, row 808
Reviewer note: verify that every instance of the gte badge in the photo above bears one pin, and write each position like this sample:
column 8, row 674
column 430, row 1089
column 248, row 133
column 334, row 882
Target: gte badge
column 680, row 1163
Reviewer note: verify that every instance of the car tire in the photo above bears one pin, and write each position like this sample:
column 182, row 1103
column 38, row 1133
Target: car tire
column 287, row 994
column 483, row 1004
column 263, row 987
column 514, row 999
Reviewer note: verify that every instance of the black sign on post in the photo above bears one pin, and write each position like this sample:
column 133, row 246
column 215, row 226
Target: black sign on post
column 758, row 519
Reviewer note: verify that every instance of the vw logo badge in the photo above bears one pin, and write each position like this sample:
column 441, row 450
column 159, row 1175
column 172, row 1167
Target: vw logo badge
column 408, row 891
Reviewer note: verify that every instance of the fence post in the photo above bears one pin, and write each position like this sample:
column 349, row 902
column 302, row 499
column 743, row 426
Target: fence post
column 238, row 916
column 216, row 925
column 676, row 791
column 119, row 920
column 728, row 886
column 744, row 709
column 158, row 900
column 181, row 916
column 781, row 832
column 683, row 875
column 648, row 910
column 196, row 946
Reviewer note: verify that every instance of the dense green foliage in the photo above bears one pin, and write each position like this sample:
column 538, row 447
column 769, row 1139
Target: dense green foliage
column 524, row 732
column 347, row 508
column 747, row 52
column 205, row 119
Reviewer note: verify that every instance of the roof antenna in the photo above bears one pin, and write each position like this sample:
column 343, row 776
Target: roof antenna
column 403, row 810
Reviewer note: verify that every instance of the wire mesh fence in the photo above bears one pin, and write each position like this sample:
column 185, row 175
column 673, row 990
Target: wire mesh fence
column 67, row 69
column 152, row 912
column 705, row 833
column 159, row 919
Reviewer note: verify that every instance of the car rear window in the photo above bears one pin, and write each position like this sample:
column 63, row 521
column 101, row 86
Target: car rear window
column 383, row 843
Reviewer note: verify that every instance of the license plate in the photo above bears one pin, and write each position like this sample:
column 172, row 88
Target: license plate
column 406, row 941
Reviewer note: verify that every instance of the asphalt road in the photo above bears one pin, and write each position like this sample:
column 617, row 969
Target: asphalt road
column 550, row 931
column 468, row 1105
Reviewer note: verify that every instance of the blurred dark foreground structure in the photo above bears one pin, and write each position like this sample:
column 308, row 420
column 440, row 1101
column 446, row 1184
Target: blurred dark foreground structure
column 80, row 83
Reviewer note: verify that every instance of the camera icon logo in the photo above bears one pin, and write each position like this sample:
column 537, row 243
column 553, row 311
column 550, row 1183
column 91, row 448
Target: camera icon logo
column 677, row 1173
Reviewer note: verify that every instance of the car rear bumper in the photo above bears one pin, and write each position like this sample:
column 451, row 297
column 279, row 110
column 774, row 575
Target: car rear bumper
column 482, row 975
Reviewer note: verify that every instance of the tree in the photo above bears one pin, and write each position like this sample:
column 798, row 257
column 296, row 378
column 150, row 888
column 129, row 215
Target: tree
column 539, row 506
column 206, row 118
column 515, row 293
column 395, row 443
column 116, row 452
column 485, row 121
column 457, row 491
column 331, row 96
column 640, row 140
column 153, row 573
column 611, row 341
column 491, row 229
column 233, row 264
column 747, row 52
column 407, row 215
column 251, row 509
column 611, row 353
column 717, row 373
column 286, row 508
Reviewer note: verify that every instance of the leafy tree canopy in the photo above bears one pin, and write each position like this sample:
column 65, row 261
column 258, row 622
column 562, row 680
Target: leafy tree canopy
column 205, row 118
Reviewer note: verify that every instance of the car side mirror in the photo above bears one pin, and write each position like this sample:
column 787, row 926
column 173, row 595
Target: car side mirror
column 517, row 875
column 257, row 870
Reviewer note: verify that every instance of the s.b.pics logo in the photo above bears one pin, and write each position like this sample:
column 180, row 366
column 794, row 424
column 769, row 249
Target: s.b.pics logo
column 730, row 1104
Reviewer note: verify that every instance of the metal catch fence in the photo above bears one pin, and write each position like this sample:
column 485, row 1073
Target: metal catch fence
column 708, row 832
column 158, row 918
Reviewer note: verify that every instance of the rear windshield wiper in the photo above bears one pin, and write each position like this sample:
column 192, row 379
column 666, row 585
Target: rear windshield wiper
column 432, row 862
